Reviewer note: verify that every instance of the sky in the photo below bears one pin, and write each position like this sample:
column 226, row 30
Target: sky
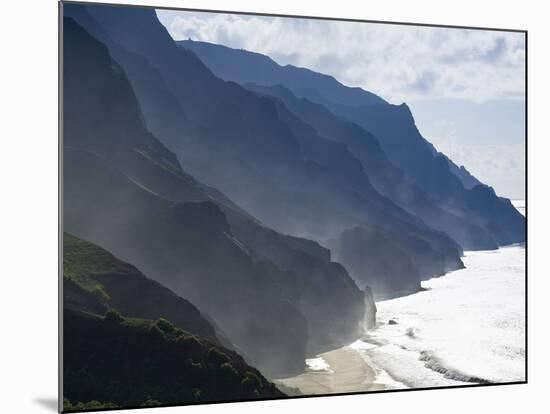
column 466, row 88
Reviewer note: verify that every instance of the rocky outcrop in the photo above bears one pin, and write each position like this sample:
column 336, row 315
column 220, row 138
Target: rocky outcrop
column 377, row 262
column 370, row 309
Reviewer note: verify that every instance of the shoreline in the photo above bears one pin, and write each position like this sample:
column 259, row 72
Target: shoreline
column 345, row 371
column 364, row 366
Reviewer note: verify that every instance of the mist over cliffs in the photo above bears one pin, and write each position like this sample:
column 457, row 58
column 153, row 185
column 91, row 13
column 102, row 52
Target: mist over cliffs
column 259, row 162
column 421, row 180
column 268, row 205
column 160, row 350
column 382, row 139
column 126, row 191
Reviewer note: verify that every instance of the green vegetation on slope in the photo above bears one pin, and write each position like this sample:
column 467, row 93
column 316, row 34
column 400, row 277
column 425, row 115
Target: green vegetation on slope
column 111, row 360
column 160, row 219
column 135, row 362
column 81, row 261
column 95, row 281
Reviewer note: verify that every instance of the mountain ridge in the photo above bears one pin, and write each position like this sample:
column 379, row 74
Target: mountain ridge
column 267, row 63
column 389, row 180
column 111, row 199
column 395, row 129
column 307, row 85
column 269, row 180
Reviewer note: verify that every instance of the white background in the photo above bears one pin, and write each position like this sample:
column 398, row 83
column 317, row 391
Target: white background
column 28, row 231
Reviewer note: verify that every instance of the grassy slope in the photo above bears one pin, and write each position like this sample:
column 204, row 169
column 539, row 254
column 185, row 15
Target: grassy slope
column 127, row 362
column 116, row 360
column 113, row 283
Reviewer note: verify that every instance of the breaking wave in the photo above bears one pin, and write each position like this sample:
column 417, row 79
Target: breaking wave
column 433, row 363
column 468, row 328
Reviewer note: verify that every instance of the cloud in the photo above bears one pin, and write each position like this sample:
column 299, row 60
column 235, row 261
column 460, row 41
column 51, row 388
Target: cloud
column 400, row 63
column 425, row 83
column 498, row 51
column 466, row 87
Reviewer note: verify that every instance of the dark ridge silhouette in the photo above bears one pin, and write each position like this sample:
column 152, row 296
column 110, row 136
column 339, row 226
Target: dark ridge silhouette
column 251, row 67
column 243, row 148
column 348, row 141
column 125, row 191
column 261, row 69
column 331, row 155
column 394, row 128
column 376, row 261
column 113, row 167
column 465, row 177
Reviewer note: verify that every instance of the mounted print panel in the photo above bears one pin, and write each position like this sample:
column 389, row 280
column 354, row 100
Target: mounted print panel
column 261, row 207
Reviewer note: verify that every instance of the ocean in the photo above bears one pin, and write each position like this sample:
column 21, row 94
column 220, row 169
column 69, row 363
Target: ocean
column 466, row 327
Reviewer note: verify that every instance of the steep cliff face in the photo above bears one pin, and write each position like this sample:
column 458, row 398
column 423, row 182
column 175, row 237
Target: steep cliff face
column 376, row 262
column 124, row 190
column 395, row 128
column 256, row 158
column 412, row 239
column 323, row 291
column 440, row 192
column 112, row 173
column 236, row 142
column 242, row 66
column 347, row 144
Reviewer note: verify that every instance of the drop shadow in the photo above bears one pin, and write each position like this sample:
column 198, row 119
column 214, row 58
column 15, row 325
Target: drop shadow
column 49, row 403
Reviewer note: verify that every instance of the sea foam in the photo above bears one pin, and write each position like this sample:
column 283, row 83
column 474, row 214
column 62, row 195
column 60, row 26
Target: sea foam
column 466, row 327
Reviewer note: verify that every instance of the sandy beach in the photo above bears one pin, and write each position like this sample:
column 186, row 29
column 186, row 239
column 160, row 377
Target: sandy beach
column 347, row 371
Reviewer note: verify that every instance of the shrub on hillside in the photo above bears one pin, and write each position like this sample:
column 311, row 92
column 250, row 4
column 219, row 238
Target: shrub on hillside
column 165, row 325
column 216, row 357
column 112, row 316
